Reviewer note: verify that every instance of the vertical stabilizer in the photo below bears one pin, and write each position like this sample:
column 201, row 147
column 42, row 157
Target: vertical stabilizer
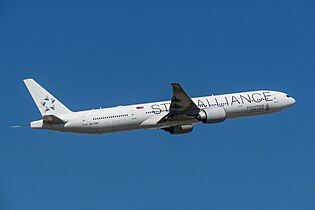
column 45, row 102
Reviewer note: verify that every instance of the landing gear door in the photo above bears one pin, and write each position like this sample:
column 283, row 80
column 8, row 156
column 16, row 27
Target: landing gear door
column 84, row 121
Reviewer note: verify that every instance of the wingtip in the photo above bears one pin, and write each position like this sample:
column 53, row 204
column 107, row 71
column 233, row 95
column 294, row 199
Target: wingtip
column 27, row 79
column 174, row 83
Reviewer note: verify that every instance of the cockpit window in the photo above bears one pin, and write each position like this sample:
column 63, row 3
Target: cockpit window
column 288, row 96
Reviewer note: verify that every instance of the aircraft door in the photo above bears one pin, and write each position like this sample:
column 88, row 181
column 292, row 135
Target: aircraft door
column 133, row 114
column 84, row 121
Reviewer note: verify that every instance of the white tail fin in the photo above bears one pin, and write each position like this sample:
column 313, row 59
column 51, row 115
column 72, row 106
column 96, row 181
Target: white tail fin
column 46, row 103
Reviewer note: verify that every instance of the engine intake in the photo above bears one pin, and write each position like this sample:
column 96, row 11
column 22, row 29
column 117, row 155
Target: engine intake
column 212, row 115
column 179, row 129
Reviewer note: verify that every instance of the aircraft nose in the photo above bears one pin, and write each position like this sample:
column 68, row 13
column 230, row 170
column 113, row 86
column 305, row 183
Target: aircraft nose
column 290, row 101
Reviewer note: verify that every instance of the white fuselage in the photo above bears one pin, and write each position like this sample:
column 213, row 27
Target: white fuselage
column 145, row 116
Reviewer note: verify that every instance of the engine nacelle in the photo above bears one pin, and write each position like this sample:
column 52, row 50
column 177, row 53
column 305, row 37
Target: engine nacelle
column 179, row 129
column 212, row 115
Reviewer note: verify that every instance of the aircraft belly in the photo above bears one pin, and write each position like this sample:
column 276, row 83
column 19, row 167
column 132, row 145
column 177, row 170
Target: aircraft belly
column 119, row 125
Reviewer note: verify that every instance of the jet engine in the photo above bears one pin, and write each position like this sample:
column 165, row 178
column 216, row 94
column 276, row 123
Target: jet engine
column 212, row 115
column 179, row 129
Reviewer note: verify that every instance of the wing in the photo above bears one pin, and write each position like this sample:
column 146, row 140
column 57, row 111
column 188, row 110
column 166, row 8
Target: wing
column 182, row 107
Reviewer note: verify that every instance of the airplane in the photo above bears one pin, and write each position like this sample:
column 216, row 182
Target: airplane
column 175, row 116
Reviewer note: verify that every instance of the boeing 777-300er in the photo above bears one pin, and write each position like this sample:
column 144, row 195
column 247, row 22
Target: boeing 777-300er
column 176, row 116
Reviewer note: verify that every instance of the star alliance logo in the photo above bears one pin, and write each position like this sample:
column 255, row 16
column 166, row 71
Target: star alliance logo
column 48, row 104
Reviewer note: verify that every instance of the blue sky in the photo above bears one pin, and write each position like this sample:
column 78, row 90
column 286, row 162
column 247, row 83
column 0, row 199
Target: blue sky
column 93, row 54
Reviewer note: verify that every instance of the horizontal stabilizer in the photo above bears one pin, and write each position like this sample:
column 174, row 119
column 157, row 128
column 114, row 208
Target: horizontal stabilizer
column 52, row 119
